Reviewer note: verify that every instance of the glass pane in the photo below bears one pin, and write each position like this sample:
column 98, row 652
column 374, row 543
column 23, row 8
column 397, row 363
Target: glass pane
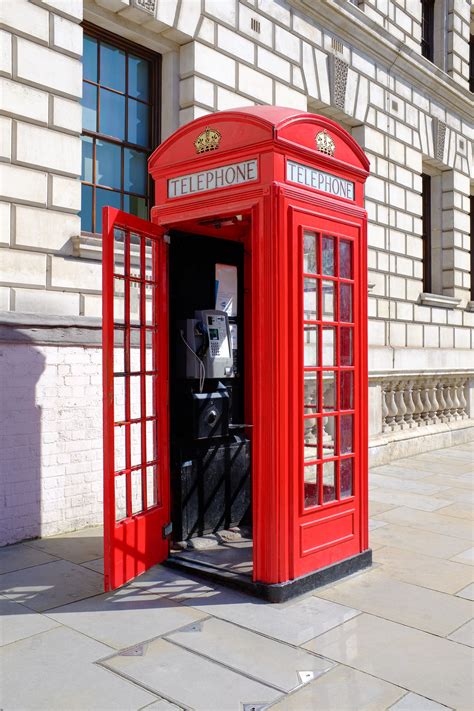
column 310, row 392
column 346, row 346
column 112, row 67
column 345, row 259
column 346, row 477
column 89, row 107
column 345, row 302
column 89, row 58
column 135, row 397
column 329, row 391
column 347, row 397
column 108, row 164
column 309, row 253
column 328, row 346
column 310, row 345
column 87, row 153
column 86, row 208
column 103, row 198
column 310, row 426
column 310, row 299
column 119, row 448
column 120, row 498
column 329, row 481
column 328, row 300
column 151, row 437
column 112, row 114
column 135, row 444
column 138, row 131
column 137, row 505
column 328, row 256
column 329, row 436
column 138, row 77
column 311, row 485
column 135, row 206
column 119, row 397
column 135, row 171
column 152, row 486
column 119, row 248
column 346, row 434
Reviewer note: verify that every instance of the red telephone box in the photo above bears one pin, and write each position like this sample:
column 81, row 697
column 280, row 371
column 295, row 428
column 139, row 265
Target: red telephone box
column 278, row 195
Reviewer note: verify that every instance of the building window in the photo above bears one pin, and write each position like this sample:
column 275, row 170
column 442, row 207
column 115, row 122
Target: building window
column 426, row 227
column 471, row 203
column 119, row 126
column 471, row 63
column 427, row 29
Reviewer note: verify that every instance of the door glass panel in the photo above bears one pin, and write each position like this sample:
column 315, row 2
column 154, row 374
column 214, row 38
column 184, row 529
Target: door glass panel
column 329, row 436
column 311, row 485
column 137, row 502
column 151, row 486
column 345, row 259
column 310, row 439
column 329, row 481
column 328, row 347
column 120, row 498
column 328, row 256
column 328, row 300
column 119, row 448
column 346, row 466
column 310, row 345
column 345, row 302
column 310, row 299
column 329, row 391
column 346, row 434
column 310, row 392
column 309, row 253
column 135, row 444
column 346, row 346
column 347, row 398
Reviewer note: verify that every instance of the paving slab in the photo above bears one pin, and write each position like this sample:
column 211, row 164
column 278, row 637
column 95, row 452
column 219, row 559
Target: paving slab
column 429, row 521
column 18, row 622
column 465, row 634
column 423, row 663
column 50, row 585
column 376, row 507
column 419, row 541
column 425, row 570
column 97, row 565
column 423, row 502
column 161, row 705
column 467, row 592
column 399, row 483
column 188, row 679
column 414, row 702
column 125, row 617
column 77, row 546
column 392, row 599
column 457, row 495
column 342, row 689
column 55, row 670
column 21, row 556
column 403, row 472
column 458, row 510
column 466, row 557
column 264, row 659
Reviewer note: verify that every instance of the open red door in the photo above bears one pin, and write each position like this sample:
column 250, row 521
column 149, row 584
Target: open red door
column 135, row 397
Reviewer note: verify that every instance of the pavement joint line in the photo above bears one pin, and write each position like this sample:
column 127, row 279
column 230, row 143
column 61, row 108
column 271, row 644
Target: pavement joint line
column 425, row 530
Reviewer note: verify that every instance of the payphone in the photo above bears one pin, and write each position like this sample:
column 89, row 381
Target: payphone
column 208, row 342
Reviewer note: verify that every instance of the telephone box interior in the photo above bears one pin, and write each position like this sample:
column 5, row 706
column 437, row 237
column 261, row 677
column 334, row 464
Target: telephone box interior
column 258, row 246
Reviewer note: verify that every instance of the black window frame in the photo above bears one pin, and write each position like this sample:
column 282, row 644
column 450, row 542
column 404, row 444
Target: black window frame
column 426, row 231
column 427, row 29
column 155, row 60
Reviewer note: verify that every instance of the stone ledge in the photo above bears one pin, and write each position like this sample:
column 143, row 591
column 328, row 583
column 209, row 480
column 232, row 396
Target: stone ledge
column 439, row 300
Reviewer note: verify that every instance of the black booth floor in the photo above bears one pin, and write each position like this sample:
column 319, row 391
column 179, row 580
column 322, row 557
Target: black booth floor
column 235, row 557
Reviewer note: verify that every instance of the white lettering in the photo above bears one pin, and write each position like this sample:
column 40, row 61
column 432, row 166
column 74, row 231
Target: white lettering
column 221, row 177
column 319, row 180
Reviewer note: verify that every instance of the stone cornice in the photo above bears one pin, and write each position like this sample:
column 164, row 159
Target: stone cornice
column 350, row 24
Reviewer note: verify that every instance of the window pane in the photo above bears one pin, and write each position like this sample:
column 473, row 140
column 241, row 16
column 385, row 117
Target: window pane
column 87, row 153
column 310, row 299
column 112, row 67
column 310, row 345
column 328, row 347
column 86, row 208
column 112, row 114
column 328, row 256
column 347, row 398
column 329, row 391
column 89, row 58
column 345, row 259
column 328, row 300
column 138, row 123
column 135, row 206
column 346, row 434
column 103, row 198
column 135, row 171
column 345, row 302
column 89, row 107
column 329, row 481
column 311, row 485
column 329, row 436
column 346, row 346
column 108, row 164
column 309, row 253
column 346, row 477
column 310, row 438
column 310, row 392
column 138, row 77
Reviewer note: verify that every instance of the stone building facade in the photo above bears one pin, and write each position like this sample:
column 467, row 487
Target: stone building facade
column 360, row 63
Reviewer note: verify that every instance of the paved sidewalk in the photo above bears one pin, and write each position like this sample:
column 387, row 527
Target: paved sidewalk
column 397, row 636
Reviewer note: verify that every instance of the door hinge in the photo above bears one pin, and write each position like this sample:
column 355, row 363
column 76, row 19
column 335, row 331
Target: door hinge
column 167, row 530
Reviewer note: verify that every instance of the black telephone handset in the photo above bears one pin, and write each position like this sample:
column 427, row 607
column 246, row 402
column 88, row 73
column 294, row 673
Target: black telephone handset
column 203, row 332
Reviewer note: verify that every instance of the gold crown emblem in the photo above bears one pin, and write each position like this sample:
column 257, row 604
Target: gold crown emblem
column 208, row 140
column 325, row 143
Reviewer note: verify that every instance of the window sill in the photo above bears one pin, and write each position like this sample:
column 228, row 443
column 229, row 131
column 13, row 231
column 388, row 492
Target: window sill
column 438, row 300
column 88, row 246
column 470, row 306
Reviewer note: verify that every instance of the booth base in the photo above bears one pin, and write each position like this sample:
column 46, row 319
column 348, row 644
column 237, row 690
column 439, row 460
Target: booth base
column 272, row 592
